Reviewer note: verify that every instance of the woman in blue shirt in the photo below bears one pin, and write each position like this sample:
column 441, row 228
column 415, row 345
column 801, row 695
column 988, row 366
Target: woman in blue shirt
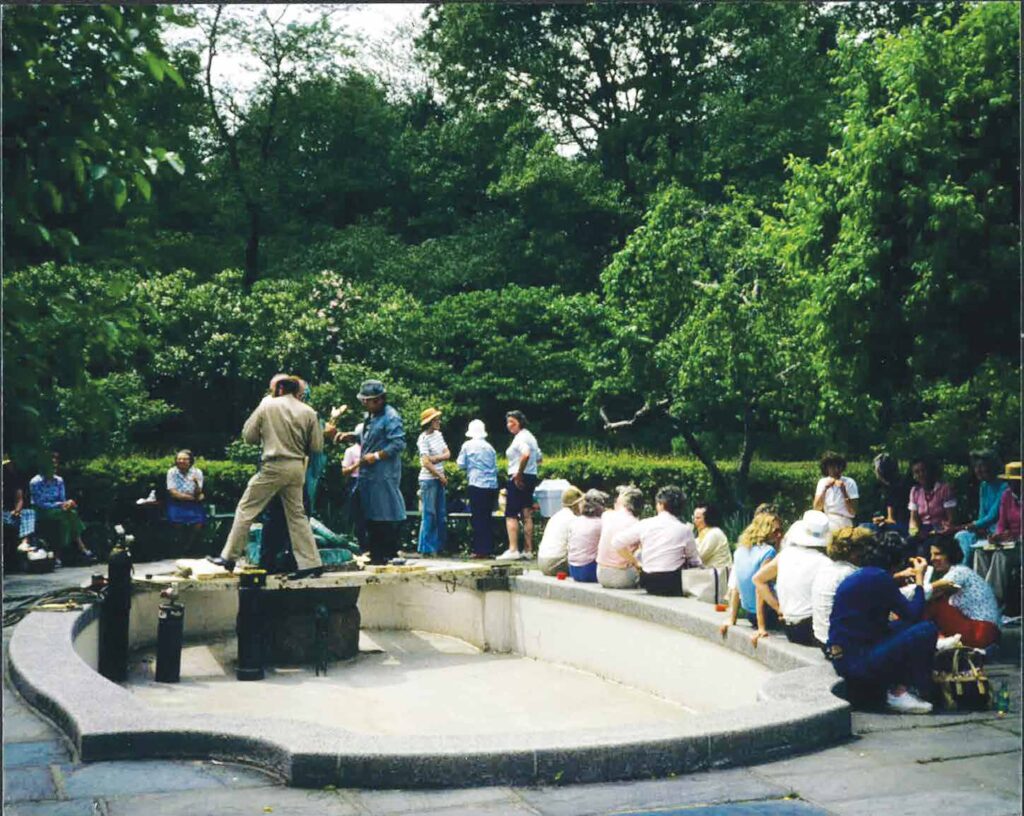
column 480, row 462
column 757, row 545
column 872, row 653
column 986, row 467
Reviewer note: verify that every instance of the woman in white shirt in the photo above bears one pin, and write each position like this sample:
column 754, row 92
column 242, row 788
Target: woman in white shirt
column 524, row 457
column 836, row 495
column 553, row 555
column 793, row 570
column 846, row 550
column 712, row 544
column 613, row 571
column 584, row 536
column 667, row 545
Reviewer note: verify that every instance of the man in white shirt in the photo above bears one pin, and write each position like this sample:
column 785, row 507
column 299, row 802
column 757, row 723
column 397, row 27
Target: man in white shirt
column 667, row 545
column 835, row 494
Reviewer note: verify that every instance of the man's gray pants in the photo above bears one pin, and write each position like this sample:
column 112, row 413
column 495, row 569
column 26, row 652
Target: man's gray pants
column 284, row 477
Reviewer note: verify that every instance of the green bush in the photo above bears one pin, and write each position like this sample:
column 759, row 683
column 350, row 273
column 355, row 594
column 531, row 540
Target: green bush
column 108, row 488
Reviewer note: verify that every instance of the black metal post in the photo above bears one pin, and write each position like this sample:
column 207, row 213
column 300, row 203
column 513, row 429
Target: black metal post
column 115, row 613
column 250, row 624
column 169, row 634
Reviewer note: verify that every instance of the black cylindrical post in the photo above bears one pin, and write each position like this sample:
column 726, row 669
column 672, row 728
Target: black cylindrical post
column 114, row 615
column 169, row 633
column 250, row 624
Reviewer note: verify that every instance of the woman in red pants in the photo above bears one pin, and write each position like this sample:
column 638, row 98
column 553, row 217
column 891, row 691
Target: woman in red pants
column 961, row 601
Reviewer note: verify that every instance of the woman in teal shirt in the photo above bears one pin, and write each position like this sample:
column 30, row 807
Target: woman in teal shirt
column 986, row 468
column 757, row 545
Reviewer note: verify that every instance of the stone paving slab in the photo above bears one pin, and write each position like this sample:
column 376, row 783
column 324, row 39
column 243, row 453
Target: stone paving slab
column 387, row 803
column 999, row 772
column 246, row 802
column 786, row 807
column 693, row 789
column 46, row 752
column 923, row 744
column 25, row 784
column 923, row 802
column 490, row 809
column 20, row 725
column 884, row 782
column 68, row 807
column 144, row 776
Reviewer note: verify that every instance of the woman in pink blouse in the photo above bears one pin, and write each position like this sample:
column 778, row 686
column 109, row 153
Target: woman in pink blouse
column 931, row 506
column 584, row 537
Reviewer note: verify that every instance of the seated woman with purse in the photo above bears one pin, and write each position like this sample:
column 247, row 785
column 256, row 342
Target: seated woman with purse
column 185, row 492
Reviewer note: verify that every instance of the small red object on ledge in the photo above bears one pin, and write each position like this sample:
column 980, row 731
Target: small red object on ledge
column 561, row 576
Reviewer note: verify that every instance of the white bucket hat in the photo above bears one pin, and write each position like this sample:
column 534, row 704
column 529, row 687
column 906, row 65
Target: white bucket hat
column 476, row 430
column 811, row 531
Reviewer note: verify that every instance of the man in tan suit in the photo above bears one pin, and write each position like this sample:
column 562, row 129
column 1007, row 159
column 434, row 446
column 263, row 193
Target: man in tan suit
column 289, row 431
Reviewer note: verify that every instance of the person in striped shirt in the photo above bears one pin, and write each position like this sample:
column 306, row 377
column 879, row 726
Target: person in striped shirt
column 433, row 451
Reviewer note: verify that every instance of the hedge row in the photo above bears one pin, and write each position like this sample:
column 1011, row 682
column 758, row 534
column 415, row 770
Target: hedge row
column 108, row 488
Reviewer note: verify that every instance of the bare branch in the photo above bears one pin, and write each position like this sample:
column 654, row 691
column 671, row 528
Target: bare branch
column 610, row 425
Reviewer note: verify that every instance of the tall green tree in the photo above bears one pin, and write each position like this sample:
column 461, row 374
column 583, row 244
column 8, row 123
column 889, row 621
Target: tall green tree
column 905, row 239
column 246, row 129
column 703, row 94
column 700, row 316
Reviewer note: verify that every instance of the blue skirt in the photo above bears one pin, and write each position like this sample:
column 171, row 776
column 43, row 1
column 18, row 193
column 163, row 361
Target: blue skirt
column 179, row 512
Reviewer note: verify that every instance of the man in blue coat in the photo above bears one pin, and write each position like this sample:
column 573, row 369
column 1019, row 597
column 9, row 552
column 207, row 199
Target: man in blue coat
column 380, row 472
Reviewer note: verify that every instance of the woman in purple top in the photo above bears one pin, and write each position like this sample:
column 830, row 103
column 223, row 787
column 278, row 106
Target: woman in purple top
column 931, row 506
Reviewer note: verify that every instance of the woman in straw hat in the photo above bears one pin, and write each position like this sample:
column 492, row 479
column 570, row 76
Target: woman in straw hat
column 553, row 555
column 433, row 452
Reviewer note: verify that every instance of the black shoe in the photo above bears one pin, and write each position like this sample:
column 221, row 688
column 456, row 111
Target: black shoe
column 227, row 563
column 312, row 572
column 87, row 557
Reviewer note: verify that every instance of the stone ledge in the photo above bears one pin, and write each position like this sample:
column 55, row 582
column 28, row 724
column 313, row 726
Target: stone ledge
column 797, row 712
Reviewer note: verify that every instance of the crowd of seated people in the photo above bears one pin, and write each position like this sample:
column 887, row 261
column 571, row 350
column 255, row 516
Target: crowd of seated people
column 879, row 599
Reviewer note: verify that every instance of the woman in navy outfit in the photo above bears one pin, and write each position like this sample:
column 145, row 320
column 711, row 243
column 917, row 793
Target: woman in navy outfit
column 873, row 654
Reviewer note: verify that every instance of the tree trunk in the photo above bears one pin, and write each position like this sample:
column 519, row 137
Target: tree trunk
column 746, row 454
column 718, row 479
column 252, row 248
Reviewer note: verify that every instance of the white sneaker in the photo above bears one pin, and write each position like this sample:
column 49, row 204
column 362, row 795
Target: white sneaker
column 525, row 556
column 944, row 644
column 906, row 703
column 509, row 555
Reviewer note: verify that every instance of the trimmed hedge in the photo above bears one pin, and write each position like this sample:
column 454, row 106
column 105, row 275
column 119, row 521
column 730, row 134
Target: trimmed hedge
column 107, row 488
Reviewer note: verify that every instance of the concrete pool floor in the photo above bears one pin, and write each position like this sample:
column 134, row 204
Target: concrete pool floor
column 406, row 683
column 948, row 764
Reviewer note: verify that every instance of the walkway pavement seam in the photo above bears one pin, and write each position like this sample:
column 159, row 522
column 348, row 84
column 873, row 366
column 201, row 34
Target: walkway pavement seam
column 793, row 793
column 935, row 760
column 58, row 781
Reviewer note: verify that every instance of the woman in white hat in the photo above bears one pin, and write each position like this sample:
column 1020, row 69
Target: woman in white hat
column 793, row 570
column 478, row 458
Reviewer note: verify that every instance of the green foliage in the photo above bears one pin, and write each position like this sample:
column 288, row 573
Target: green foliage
column 701, row 322
column 904, row 240
column 73, row 332
column 71, row 75
column 587, row 213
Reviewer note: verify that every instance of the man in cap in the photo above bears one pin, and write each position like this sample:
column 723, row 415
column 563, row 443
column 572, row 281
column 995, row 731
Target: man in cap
column 290, row 432
column 380, row 472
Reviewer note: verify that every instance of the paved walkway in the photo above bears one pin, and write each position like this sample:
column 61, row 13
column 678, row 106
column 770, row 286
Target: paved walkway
column 942, row 764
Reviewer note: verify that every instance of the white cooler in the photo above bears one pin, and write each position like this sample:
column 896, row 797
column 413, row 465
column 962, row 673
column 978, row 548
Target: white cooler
column 548, row 494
